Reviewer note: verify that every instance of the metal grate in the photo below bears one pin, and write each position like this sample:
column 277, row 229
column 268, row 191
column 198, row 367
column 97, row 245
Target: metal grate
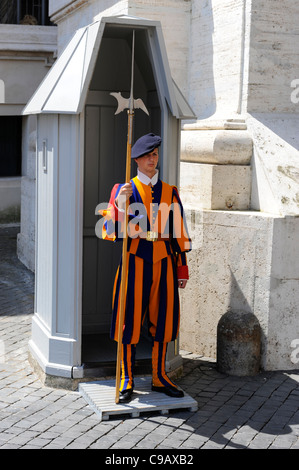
column 25, row 12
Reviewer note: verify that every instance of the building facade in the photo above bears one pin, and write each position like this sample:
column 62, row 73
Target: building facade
column 28, row 47
column 238, row 66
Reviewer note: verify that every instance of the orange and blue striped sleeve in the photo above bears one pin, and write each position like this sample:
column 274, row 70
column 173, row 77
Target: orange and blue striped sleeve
column 113, row 225
column 181, row 241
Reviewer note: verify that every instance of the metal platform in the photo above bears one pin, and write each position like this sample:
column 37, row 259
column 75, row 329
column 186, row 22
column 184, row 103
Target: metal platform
column 100, row 396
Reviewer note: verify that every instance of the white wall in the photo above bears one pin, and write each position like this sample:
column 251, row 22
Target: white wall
column 274, row 56
column 26, row 54
column 273, row 111
column 174, row 16
column 10, row 197
column 26, row 237
column 216, row 37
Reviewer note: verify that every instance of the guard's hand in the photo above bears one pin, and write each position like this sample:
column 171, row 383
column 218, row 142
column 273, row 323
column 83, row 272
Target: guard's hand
column 182, row 284
column 125, row 193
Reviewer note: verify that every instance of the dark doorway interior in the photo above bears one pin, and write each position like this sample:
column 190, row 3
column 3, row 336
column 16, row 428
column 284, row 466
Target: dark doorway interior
column 10, row 145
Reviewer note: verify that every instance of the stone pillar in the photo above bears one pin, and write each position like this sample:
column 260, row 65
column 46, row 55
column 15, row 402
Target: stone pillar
column 215, row 168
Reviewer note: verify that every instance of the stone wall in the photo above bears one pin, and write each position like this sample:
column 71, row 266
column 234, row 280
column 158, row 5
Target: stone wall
column 174, row 16
column 10, row 196
column 26, row 237
column 273, row 113
column 273, row 57
column 216, row 57
column 240, row 262
column 26, row 54
column 230, row 269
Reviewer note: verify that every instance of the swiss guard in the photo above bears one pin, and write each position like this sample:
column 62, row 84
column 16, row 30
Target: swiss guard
column 158, row 240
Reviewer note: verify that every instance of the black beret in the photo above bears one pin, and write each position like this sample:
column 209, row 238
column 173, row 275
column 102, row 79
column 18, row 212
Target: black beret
column 145, row 144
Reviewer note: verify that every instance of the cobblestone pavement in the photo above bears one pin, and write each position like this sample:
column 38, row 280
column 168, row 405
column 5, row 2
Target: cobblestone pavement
column 233, row 413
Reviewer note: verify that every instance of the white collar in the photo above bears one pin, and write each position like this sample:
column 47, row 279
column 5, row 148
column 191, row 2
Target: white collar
column 146, row 180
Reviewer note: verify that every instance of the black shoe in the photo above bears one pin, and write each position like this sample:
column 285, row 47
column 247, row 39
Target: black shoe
column 125, row 396
column 170, row 391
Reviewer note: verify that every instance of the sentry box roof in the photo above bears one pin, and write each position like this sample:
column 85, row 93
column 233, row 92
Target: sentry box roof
column 65, row 88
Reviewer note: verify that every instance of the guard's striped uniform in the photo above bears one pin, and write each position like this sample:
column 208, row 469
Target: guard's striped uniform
column 152, row 288
column 153, row 267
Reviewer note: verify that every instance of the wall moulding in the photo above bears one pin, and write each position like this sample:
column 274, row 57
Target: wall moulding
column 64, row 8
column 215, row 124
column 217, row 146
column 27, row 38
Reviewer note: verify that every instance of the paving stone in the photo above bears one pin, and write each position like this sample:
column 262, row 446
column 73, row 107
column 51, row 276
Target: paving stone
column 283, row 442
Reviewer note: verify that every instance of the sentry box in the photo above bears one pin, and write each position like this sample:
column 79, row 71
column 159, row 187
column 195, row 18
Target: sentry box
column 81, row 149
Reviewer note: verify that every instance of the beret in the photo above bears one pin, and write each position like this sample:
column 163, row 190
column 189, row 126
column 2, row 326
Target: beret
column 145, row 144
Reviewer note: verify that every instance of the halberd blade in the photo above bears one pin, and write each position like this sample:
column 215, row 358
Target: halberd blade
column 123, row 103
column 139, row 104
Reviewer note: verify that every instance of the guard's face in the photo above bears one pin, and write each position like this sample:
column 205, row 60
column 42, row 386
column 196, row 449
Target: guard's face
column 147, row 164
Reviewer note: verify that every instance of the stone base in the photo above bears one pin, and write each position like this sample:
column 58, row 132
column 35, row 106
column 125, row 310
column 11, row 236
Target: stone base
column 10, row 199
column 86, row 373
column 243, row 261
column 215, row 187
column 52, row 380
